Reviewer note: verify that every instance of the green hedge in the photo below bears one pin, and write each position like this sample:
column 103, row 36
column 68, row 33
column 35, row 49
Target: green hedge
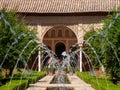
column 97, row 83
column 35, row 77
column 17, row 84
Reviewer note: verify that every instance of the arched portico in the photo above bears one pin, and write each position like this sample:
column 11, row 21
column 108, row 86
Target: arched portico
column 60, row 34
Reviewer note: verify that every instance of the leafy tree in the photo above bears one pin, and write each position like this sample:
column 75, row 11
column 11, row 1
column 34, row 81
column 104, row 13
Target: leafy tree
column 112, row 47
column 93, row 47
column 106, row 43
column 22, row 36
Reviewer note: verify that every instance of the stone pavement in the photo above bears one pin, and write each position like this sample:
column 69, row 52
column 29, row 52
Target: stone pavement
column 76, row 83
column 44, row 81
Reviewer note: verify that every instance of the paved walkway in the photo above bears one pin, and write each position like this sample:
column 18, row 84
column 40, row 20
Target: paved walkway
column 44, row 81
column 76, row 83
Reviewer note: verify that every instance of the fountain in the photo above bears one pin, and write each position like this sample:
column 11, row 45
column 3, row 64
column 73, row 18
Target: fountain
column 60, row 78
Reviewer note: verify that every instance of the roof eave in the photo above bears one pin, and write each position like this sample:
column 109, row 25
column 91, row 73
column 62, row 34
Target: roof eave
column 90, row 13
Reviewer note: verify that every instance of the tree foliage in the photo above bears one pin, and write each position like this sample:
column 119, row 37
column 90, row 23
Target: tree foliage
column 22, row 36
column 106, row 43
column 112, row 48
column 93, row 47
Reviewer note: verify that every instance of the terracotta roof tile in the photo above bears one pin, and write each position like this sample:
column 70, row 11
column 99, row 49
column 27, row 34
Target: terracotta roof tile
column 60, row 6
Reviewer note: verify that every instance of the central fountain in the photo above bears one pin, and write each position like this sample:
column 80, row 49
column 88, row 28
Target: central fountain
column 60, row 78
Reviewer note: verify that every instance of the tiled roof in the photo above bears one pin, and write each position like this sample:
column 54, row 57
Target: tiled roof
column 60, row 6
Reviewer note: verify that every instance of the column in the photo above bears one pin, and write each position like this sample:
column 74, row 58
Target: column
column 39, row 61
column 81, row 57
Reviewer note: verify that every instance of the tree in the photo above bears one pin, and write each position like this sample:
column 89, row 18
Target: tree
column 94, row 44
column 20, row 36
column 112, row 47
column 106, row 43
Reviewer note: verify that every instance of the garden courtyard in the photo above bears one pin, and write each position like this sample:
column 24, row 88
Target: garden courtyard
column 44, row 49
column 56, row 74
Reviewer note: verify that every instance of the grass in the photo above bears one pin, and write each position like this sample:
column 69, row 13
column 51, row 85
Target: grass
column 97, row 83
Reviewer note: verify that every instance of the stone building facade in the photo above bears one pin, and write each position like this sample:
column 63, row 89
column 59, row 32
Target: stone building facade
column 63, row 30
column 62, row 23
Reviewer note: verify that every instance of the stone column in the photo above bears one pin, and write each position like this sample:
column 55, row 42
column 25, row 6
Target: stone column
column 39, row 61
column 80, row 57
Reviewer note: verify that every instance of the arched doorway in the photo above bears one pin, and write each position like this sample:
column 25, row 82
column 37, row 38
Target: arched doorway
column 59, row 48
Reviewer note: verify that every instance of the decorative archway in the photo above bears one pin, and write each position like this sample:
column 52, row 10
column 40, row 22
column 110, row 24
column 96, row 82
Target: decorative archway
column 46, row 29
column 60, row 34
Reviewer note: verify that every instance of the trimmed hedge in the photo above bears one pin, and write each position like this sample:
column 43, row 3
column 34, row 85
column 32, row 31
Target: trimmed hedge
column 17, row 84
column 97, row 83
column 35, row 77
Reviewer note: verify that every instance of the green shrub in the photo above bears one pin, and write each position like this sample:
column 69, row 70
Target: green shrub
column 17, row 84
column 35, row 76
column 97, row 83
